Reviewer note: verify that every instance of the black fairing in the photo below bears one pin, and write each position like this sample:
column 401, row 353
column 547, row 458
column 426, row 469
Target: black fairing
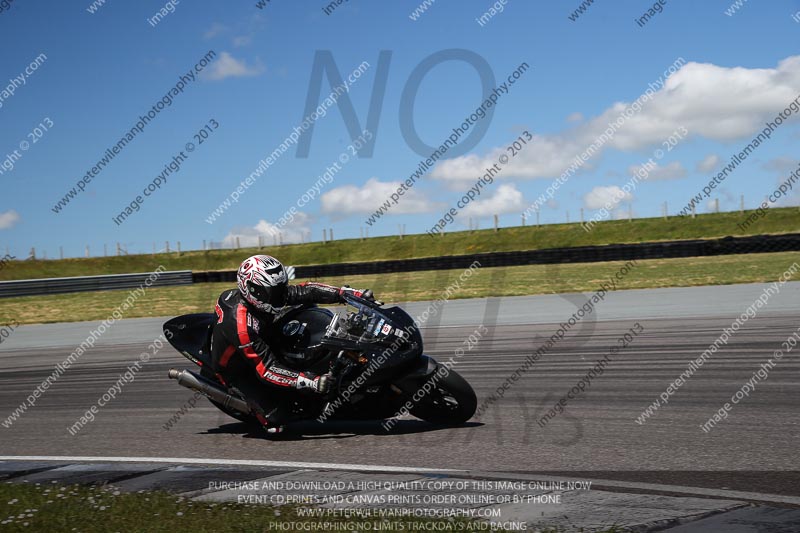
column 191, row 335
column 422, row 371
column 297, row 335
column 404, row 357
column 402, row 319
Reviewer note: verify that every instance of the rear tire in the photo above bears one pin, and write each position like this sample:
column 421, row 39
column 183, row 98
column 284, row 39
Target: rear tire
column 241, row 417
column 452, row 402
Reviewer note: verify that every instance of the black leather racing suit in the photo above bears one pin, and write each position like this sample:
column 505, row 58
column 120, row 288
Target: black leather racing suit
column 243, row 358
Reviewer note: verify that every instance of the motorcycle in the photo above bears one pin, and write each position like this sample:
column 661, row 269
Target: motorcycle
column 375, row 355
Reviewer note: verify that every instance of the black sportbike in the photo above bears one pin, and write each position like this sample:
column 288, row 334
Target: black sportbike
column 374, row 353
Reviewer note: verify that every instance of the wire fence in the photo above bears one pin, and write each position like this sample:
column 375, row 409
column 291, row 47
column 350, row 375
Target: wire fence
column 325, row 235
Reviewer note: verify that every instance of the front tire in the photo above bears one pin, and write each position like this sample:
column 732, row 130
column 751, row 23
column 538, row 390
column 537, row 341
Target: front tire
column 450, row 402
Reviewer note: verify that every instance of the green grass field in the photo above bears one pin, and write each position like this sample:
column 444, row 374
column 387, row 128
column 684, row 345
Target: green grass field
column 94, row 509
column 784, row 220
column 412, row 286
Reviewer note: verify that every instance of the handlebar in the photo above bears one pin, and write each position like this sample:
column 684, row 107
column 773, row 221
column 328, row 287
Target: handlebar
column 374, row 304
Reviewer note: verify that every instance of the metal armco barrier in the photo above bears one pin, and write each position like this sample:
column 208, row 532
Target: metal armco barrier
column 32, row 287
column 581, row 254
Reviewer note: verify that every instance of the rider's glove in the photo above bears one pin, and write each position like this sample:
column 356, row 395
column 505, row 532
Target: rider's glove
column 363, row 293
column 367, row 295
column 320, row 384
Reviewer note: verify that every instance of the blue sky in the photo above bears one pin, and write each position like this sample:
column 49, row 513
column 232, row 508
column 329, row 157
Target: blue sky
column 105, row 69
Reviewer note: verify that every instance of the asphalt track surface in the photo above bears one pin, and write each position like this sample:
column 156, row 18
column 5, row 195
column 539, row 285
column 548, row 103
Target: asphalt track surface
column 754, row 449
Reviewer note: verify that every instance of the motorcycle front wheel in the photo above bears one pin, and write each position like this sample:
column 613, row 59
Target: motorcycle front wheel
column 451, row 401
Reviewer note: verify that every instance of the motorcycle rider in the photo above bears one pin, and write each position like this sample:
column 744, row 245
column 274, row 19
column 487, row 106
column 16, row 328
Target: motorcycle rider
column 239, row 352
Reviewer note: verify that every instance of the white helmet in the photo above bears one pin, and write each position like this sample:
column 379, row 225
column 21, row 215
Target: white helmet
column 263, row 282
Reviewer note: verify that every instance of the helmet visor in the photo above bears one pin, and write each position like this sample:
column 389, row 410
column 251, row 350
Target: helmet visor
column 274, row 296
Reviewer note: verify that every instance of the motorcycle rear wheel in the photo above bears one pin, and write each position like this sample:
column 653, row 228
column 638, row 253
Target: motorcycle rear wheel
column 241, row 417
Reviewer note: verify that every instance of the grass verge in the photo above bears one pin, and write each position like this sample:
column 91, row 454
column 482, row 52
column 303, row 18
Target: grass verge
column 429, row 285
column 93, row 509
column 784, row 220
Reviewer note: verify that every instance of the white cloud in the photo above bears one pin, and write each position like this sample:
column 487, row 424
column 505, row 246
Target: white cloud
column 506, row 199
column 350, row 199
column 672, row 171
column 708, row 164
column 575, row 117
column 603, row 195
column 214, row 30
column 718, row 103
column 782, row 165
column 8, row 219
column 294, row 232
column 242, row 40
column 228, row 66
column 543, row 156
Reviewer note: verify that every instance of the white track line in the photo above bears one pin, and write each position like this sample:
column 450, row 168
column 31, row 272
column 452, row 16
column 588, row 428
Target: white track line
column 225, row 462
column 676, row 489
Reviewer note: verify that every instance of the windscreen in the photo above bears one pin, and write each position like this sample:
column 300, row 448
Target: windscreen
column 360, row 324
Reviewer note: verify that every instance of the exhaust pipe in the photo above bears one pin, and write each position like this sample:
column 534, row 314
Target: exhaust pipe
column 208, row 388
